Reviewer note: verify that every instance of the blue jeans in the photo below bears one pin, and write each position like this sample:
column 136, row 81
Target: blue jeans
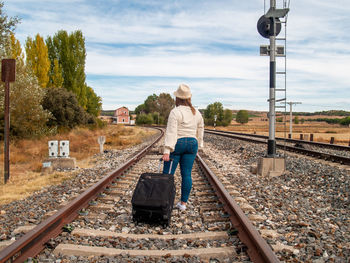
column 184, row 153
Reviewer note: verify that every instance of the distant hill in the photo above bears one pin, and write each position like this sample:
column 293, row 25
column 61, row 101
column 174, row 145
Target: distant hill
column 107, row 113
column 325, row 113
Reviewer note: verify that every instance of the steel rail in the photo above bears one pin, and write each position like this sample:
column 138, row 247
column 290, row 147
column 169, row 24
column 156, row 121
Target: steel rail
column 319, row 144
column 34, row 241
column 320, row 155
column 258, row 249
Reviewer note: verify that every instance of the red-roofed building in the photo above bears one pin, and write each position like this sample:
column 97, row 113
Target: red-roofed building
column 121, row 115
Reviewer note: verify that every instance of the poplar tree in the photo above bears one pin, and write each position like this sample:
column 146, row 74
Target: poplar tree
column 56, row 77
column 7, row 26
column 94, row 102
column 69, row 50
column 15, row 50
column 37, row 59
column 28, row 118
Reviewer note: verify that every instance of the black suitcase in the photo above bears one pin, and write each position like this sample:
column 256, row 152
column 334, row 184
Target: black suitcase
column 153, row 198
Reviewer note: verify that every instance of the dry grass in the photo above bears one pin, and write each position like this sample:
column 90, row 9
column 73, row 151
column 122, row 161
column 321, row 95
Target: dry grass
column 322, row 131
column 26, row 157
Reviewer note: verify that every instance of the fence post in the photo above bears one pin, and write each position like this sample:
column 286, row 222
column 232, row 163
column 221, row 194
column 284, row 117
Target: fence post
column 301, row 136
column 332, row 140
column 311, row 137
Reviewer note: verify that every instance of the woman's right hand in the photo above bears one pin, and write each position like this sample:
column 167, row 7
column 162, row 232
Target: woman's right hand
column 166, row 157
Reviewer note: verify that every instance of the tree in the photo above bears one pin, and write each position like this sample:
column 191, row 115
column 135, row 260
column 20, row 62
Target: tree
column 15, row 50
column 94, row 102
column 212, row 110
column 242, row 117
column 28, row 118
column 151, row 103
column 228, row 116
column 7, row 26
column 165, row 105
column 56, row 77
column 345, row 121
column 144, row 119
column 65, row 109
column 140, row 109
column 296, row 120
column 37, row 59
column 69, row 50
column 156, row 105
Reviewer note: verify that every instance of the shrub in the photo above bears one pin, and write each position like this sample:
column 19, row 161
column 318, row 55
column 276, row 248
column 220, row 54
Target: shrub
column 296, row 120
column 65, row 109
column 345, row 121
column 144, row 119
column 242, row 117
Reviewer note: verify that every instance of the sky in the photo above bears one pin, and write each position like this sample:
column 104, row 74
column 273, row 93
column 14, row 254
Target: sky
column 136, row 48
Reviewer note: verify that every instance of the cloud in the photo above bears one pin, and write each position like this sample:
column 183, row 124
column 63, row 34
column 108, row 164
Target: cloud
column 136, row 48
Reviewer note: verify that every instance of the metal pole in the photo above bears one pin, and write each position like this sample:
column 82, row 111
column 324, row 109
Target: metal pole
column 271, row 144
column 6, row 133
column 8, row 74
column 290, row 120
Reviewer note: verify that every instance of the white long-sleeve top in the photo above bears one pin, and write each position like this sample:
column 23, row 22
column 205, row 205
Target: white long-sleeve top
column 182, row 123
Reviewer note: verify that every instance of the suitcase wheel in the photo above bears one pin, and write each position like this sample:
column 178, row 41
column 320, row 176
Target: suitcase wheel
column 166, row 223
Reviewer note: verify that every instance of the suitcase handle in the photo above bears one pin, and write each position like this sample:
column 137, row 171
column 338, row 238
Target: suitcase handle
column 171, row 164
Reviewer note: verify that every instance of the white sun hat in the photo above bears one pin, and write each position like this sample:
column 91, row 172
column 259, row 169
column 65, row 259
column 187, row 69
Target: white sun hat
column 183, row 92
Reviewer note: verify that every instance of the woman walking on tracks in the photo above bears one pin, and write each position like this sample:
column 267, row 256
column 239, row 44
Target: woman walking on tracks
column 184, row 133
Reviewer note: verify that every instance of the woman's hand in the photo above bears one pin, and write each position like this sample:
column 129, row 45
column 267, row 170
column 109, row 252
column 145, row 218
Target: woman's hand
column 166, row 157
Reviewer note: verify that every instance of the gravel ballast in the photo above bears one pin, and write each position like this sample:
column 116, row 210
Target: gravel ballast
column 308, row 206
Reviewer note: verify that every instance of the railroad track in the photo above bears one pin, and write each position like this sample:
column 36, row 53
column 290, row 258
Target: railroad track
column 97, row 225
column 341, row 154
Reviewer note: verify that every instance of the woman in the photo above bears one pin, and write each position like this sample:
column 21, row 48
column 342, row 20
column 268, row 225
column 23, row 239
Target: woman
column 184, row 133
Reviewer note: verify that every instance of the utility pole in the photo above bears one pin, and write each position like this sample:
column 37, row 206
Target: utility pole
column 291, row 116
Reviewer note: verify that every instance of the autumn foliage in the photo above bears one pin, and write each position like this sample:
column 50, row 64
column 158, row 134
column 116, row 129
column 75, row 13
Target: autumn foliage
column 38, row 105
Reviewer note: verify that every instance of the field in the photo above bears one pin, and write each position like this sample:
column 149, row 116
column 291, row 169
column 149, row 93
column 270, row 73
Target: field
column 321, row 131
column 26, row 157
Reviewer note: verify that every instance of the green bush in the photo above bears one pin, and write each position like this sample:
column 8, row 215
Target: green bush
column 345, row 121
column 65, row 109
column 242, row 117
column 296, row 120
column 144, row 119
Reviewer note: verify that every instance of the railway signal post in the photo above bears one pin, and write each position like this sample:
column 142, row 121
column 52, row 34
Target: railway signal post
column 8, row 74
column 269, row 26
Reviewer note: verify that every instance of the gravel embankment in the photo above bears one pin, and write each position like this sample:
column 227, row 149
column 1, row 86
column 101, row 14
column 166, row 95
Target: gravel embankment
column 308, row 206
column 31, row 210
column 120, row 220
